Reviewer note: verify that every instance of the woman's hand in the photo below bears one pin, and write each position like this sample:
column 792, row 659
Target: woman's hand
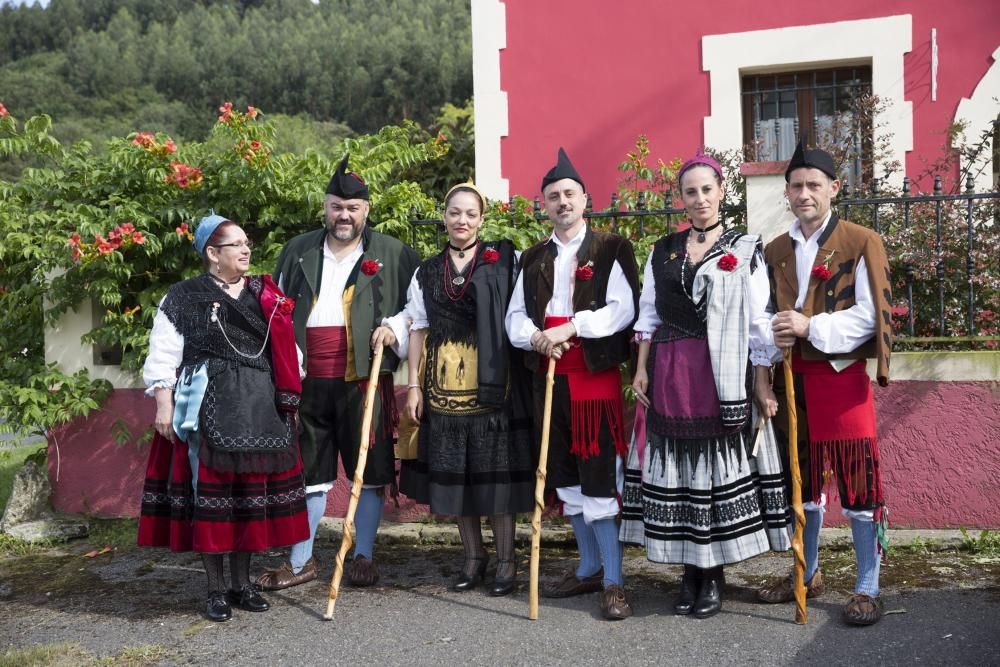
column 383, row 336
column 164, row 421
column 414, row 403
column 763, row 394
column 640, row 385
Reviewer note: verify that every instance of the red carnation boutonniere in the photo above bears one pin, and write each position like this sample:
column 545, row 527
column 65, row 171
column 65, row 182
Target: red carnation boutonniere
column 370, row 267
column 491, row 256
column 284, row 305
column 585, row 272
column 822, row 271
column 728, row 262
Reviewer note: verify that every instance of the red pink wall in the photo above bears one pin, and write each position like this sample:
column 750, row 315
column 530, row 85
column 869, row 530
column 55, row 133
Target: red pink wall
column 591, row 76
column 940, row 445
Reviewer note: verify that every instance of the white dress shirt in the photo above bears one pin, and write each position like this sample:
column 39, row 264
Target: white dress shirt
column 599, row 323
column 328, row 311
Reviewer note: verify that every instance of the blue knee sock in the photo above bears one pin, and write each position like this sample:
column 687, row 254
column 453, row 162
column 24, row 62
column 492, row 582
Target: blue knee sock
column 810, row 541
column 366, row 521
column 586, row 543
column 606, row 532
column 303, row 551
column 866, row 552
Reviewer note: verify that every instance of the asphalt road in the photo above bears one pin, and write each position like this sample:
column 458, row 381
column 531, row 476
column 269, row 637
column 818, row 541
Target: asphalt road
column 945, row 610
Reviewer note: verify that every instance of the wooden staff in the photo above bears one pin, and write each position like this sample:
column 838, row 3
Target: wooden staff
column 798, row 580
column 359, row 474
column 536, row 519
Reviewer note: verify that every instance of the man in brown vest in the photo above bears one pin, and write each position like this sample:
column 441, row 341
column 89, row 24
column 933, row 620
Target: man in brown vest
column 576, row 300
column 830, row 293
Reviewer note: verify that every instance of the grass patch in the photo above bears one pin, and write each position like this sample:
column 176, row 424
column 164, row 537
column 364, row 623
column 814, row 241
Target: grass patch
column 48, row 655
column 987, row 544
column 13, row 546
column 113, row 532
column 11, row 460
column 72, row 655
column 136, row 656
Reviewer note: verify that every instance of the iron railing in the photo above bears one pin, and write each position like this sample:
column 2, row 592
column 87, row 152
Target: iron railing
column 919, row 231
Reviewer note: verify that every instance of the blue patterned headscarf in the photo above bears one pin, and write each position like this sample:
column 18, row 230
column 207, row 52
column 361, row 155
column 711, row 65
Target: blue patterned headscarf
column 207, row 227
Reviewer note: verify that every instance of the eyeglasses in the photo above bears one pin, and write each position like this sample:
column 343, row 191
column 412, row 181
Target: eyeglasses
column 248, row 244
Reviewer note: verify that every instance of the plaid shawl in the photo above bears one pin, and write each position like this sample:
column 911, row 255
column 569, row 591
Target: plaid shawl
column 723, row 296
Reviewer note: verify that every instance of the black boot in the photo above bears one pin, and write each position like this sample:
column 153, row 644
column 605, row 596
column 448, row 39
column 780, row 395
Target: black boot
column 709, row 601
column 689, row 590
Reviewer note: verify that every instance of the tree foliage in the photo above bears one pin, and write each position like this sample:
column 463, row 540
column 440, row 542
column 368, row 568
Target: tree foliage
column 114, row 227
column 363, row 64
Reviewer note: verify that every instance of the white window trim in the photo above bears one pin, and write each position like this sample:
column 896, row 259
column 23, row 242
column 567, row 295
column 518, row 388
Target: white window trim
column 881, row 42
column 979, row 111
column 489, row 36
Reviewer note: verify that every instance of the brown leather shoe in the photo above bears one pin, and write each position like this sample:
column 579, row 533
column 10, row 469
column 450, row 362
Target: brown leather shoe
column 284, row 577
column 362, row 572
column 569, row 585
column 863, row 609
column 783, row 591
column 614, row 603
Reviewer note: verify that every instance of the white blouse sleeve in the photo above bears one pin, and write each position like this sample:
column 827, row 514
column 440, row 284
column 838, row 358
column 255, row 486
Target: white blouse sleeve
column 166, row 351
column 649, row 320
column 411, row 318
column 763, row 351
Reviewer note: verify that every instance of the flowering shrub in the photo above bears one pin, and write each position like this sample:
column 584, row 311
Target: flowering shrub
column 115, row 228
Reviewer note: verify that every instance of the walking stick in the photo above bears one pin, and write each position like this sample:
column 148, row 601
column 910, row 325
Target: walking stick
column 536, row 519
column 798, row 580
column 359, row 474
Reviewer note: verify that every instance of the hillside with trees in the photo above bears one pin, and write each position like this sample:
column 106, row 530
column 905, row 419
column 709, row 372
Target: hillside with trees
column 322, row 72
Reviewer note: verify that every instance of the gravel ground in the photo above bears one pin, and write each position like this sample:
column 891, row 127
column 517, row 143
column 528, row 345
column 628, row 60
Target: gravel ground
column 133, row 606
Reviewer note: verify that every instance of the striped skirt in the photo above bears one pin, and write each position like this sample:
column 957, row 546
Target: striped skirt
column 705, row 502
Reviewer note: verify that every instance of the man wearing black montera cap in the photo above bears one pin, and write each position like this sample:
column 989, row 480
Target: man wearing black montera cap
column 344, row 279
column 576, row 300
column 830, row 304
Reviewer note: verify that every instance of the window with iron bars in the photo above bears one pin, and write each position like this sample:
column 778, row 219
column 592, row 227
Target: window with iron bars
column 777, row 107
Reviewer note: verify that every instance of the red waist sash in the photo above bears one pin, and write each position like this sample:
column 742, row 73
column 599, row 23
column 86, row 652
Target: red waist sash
column 592, row 398
column 326, row 352
column 840, row 412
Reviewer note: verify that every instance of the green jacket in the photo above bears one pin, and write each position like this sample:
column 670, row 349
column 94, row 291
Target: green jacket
column 380, row 295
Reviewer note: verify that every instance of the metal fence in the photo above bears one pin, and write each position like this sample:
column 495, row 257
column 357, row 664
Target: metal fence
column 944, row 250
column 944, row 253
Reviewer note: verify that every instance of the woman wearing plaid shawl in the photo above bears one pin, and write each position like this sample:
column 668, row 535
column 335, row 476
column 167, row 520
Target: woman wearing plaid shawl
column 700, row 493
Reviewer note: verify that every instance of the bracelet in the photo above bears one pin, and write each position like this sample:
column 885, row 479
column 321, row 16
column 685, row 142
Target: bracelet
column 413, row 386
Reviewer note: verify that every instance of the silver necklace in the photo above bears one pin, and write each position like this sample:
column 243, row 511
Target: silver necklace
column 267, row 335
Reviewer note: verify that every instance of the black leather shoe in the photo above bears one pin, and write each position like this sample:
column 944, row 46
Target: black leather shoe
column 248, row 599
column 689, row 591
column 466, row 582
column 217, row 608
column 709, row 601
column 503, row 587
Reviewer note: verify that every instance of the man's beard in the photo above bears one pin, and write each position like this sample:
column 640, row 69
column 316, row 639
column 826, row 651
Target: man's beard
column 344, row 233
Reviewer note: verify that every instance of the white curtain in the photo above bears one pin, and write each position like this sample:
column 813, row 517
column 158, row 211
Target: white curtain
column 775, row 139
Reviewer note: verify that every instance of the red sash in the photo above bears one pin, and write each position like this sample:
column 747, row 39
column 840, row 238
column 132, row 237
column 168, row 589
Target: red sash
column 592, row 397
column 326, row 352
column 840, row 412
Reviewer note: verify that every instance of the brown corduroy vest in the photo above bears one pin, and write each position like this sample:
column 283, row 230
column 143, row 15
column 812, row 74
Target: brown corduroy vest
column 840, row 246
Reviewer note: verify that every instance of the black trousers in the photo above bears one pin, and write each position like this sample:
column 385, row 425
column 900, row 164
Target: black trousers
column 330, row 424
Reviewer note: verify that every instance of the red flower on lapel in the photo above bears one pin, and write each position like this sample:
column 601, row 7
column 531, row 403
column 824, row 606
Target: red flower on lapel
column 728, row 262
column 370, row 267
column 585, row 272
column 821, row 273
column 491, row 256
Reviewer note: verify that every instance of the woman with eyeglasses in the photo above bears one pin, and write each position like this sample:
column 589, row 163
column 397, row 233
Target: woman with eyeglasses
column 224, row 473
